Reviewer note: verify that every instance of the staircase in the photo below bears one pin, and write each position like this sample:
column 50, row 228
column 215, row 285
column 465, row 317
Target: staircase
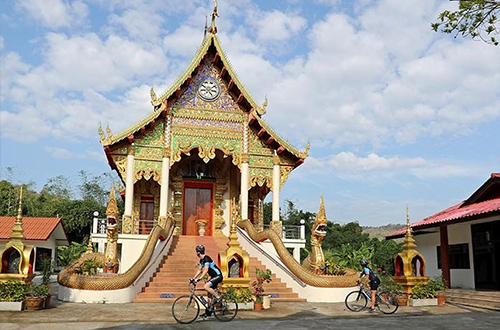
column 171, row 278
column 481, row 299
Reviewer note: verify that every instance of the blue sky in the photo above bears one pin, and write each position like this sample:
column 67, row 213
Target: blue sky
column 396, row 114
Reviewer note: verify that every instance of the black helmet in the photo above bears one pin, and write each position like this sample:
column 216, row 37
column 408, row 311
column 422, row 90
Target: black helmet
column 364, row 263
column 200, row 249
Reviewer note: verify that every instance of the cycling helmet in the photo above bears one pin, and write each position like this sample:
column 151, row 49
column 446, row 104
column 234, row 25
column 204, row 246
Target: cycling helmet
column 363, row 263
column 200, row 249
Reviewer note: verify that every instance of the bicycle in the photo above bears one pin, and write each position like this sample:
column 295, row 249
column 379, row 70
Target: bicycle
column 356, row 301
column 186, row 308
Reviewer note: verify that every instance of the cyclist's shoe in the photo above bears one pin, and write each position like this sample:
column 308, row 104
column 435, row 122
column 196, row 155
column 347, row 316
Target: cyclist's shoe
column 370, row 310
column 206, row 314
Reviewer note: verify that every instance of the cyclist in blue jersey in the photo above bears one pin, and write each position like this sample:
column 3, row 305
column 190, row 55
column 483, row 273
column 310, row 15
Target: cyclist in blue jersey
column 369, row 278
column 208, row 266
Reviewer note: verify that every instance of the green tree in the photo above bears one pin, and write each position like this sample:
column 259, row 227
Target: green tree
column 474, row 18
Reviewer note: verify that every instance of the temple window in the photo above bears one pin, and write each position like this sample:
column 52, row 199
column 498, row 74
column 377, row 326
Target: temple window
column 459, row 256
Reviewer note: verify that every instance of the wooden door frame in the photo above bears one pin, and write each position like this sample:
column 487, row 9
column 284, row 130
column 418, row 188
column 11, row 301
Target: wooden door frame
column 203, row 185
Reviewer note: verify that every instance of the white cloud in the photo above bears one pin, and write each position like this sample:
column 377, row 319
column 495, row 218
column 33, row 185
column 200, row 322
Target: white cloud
column 55, row 13
column 62, row 153
column 349, row 162
column 278, row 26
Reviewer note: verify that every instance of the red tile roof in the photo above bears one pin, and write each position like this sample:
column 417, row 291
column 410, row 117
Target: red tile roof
column 453, row 213
column 34, row 228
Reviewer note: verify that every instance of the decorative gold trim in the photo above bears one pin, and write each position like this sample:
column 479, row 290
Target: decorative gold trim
column 245, row 157
column 276, row 160
column 131, row 149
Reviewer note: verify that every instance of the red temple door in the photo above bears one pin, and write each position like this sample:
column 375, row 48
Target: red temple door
column 198, row 204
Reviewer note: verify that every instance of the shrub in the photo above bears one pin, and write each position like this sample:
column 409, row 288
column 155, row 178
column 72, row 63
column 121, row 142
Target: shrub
column 38, row 290
column 13, row 290
column 239, row 295
column 388, row 285
column 424, row 291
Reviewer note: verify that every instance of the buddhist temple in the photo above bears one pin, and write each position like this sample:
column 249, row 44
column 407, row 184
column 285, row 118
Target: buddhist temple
column 204, row 143
column 196, row 171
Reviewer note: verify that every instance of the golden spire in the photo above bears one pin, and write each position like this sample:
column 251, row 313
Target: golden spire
column 213, row 28
column 90, row 247
column 233, row 237
column 17, row 229
column 409, row 243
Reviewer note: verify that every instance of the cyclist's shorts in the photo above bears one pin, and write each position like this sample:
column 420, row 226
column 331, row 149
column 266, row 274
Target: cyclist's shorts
column 214, row 281
column 374, row 285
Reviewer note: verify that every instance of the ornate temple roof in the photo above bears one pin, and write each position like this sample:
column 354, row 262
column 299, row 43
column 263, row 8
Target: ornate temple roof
column 238, row 92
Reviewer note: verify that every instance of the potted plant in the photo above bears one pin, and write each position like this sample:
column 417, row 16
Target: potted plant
column 242, row 296
column 35, row 297
column 12, row 295
column 440, row 287
column 424, row 294
column 258, row 289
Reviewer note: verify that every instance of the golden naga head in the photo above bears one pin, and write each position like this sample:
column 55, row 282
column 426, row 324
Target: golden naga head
column 319, row 226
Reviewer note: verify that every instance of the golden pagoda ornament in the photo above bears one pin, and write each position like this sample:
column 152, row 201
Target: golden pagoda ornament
column 17, row 258
column 234, row 261
column 409, row 264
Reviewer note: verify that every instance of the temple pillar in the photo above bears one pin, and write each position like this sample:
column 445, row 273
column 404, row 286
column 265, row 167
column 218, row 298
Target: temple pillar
column 244, row 186
column 445, row 254
column 165, row 172
column 129, row 182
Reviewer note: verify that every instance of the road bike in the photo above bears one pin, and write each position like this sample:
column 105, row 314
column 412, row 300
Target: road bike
column 186, row 308
column 357, row 301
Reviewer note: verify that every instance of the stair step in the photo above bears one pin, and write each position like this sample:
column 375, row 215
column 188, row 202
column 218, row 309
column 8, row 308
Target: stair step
column 179, row 265
column 481, row 299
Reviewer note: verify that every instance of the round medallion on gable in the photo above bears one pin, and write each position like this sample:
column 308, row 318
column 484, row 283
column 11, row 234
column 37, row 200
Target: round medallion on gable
column 209, row 89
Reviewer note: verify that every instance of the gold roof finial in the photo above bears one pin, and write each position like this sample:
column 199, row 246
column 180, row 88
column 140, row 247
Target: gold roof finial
column 262, row 109
column 108, row 130
column 17, row 229
column 102, row 136
column 154, row 98
column 213, row 28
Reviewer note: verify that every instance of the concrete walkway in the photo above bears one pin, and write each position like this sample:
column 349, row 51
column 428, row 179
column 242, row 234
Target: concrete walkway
column 279, row 316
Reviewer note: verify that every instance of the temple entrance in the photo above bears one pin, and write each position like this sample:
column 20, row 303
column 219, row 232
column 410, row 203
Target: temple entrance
column 198, row 205
column 486, row 249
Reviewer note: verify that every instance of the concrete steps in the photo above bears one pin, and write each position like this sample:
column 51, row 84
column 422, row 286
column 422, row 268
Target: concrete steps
column 171, row 278
column 481, row 299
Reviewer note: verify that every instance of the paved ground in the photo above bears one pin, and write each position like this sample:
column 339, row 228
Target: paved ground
column 280, row 316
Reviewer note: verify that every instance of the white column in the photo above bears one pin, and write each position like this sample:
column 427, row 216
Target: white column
column 244, row 187
column 165, row 171
column 129, row 182
column 296, row 253
column 276, row 188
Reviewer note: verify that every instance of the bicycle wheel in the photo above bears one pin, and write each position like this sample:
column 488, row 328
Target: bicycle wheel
column 225, row 311
column 185, row 309
column 356, row 301
column 387, row 303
